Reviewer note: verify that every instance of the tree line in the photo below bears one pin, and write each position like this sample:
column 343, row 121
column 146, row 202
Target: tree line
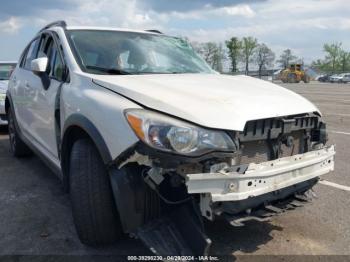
column 247, row 51
column 336, row 60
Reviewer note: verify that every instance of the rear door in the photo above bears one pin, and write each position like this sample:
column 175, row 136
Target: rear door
column 22, row 93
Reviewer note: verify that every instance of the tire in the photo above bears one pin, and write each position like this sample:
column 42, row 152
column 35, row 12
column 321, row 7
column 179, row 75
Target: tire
column 94, row 212
column 306, row 79
column 17, row 147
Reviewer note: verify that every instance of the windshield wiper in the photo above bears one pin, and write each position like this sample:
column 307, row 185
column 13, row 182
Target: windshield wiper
column 111, row 71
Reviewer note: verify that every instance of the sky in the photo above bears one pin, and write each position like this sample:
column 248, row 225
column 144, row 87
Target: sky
column 301, row 25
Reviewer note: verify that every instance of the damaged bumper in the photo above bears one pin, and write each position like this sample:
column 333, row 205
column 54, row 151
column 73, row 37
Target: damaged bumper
column 263, row 178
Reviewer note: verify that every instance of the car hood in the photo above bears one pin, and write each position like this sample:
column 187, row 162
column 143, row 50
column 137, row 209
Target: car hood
column 210, row 100
column 3, row 86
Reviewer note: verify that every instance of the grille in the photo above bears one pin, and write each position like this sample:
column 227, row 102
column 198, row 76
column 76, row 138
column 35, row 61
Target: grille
column 271, row 128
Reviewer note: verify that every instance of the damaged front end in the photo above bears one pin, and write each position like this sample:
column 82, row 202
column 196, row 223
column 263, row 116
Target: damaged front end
column 163, row 197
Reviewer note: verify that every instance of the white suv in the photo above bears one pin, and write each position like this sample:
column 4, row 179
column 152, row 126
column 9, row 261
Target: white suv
column 150, row 141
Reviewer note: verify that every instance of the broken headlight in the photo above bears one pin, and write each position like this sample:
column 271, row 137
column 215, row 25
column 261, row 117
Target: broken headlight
column 173, row 135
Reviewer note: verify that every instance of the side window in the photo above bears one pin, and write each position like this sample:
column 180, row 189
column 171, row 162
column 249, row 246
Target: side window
column 58, row 69
column 56, row 64
column 31, row 54
column 42, row 52
column 48, row 49
column 23, row 58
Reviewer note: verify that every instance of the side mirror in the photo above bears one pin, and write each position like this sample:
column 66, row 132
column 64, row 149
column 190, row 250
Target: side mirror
column 39, row 65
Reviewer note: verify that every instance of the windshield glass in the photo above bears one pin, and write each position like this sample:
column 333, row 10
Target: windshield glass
column 5, row 71
column 116, row 52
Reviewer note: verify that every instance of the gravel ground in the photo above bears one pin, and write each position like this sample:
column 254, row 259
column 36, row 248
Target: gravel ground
column 36, row 217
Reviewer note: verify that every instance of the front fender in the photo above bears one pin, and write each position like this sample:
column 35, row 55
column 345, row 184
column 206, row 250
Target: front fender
column 82, row 122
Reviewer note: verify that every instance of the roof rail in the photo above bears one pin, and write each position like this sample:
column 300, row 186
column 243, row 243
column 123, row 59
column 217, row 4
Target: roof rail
column 154, row 31
column 59, row 23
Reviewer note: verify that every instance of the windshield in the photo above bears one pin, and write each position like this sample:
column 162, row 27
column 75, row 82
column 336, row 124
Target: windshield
column 116, row 52
column 6, row 70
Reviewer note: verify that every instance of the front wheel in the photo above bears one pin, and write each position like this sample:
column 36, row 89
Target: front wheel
column 17, row 147
column 95, row 214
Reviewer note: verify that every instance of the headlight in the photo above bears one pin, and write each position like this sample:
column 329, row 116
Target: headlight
column 2, row 96
column 172, row 135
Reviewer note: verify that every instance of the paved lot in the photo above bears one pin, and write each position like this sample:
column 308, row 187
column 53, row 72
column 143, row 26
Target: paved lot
column 36, row 217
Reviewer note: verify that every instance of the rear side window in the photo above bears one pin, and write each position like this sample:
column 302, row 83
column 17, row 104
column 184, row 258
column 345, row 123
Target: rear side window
column 31, row 54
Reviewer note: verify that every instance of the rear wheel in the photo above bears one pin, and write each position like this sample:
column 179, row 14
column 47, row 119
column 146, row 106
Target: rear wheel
column 17, row 146
column 94, row 211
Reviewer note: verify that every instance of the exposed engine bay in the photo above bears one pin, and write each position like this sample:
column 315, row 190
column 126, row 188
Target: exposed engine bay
column 276, row 163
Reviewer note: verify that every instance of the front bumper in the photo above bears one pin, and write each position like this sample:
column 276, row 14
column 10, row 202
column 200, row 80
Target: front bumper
column 259, row 179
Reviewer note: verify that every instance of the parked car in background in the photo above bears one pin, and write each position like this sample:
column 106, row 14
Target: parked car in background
column 346, row 78
column 150, row 141
column 337, row 78
column 323, row 78
column 6, row 67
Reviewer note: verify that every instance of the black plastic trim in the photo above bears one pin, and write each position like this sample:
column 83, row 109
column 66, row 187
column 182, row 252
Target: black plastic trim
column 78, row 120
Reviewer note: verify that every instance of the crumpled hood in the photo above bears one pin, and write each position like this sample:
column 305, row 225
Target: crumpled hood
column 3, row 86
column 210, row 100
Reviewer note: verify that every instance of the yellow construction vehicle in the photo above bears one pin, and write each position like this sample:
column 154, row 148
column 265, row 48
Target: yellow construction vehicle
column 294, row 74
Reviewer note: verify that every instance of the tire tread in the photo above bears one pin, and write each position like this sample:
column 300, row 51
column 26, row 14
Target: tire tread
column 94, row 211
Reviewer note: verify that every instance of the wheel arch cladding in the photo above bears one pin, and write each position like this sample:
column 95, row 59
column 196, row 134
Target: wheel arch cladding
column 8, row 101
column 7, row 104
column 78, row 126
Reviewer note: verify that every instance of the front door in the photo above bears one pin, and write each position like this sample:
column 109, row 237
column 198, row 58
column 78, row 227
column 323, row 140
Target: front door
column 44, row 104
